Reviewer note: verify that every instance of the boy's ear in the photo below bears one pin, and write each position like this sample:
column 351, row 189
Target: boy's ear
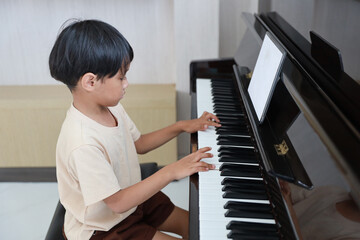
column 88, row 81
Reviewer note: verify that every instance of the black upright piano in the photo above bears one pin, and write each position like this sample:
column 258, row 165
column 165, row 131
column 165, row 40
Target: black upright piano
column 307, row 140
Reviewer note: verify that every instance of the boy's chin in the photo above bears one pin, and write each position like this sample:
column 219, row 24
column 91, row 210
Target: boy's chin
column 114, row 104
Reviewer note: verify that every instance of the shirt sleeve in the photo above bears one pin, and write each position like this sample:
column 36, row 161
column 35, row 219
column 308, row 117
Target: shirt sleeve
column 95, row 175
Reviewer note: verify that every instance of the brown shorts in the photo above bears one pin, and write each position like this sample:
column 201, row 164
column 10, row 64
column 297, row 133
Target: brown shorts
column 143, row 223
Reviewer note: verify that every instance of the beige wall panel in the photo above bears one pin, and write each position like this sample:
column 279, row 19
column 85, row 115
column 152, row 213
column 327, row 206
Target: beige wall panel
column 152, row 107
column 31, row 118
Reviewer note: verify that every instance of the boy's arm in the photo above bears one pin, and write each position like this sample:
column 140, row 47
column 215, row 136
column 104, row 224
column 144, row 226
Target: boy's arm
column 150, row 141
column 136, row 194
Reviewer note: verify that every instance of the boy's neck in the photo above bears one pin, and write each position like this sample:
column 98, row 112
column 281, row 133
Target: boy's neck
column 98, row 113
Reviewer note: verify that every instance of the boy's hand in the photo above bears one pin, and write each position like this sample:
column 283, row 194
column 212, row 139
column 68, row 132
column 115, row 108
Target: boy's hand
column 202, row 123
column 191, row 164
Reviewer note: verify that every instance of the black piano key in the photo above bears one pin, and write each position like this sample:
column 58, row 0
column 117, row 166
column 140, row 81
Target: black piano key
column 244, row 187
column 236, row 120
column 216, row 86
column 249, row 230
column 232, row 122
column 226, row 104
column 227, row 108
column 238, row 140
column 251, row 193
column 241, row 235
column 238, row 170
column 219, row 105
column 224, row 131
column 249, row 226
column 246, row 158
column 242, row 151
column 241, row 182
column 238, row 123
column 224, row 95
column 234, row 143
column 229, row 132
column 245, row 195
column 241, row 156
column 236, row 149
column 217, row 101
column 248, row 210
column 256, row 207
column 245, row 139
column 228, row 117
column 224, row 86
column 224, row 101
column 241, row 159
column 226, row 111
column 232, row 128
column 221, row 82
column 248, row 214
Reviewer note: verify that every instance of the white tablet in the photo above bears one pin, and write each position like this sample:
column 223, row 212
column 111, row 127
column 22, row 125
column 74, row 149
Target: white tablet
column 265, row 75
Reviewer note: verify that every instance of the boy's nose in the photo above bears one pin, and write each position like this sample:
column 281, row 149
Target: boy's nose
column 125, row 83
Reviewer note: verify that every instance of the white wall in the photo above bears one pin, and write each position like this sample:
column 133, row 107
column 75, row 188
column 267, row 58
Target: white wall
column 196, row 37
column 29, row 29
column 232, row 27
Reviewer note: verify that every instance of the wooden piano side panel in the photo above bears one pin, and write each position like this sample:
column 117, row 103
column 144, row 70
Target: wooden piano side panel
column 194, row 196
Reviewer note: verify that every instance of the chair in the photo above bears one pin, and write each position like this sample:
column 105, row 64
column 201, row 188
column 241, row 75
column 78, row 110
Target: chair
column 57, row 222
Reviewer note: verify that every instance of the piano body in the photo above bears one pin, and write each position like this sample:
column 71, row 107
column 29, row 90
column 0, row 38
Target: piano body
column 309, row 136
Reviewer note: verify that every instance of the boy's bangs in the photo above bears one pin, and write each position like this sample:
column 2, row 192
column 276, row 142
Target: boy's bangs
column 116, row 57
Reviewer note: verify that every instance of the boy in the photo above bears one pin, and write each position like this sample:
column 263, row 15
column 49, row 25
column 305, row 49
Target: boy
column 97, row 167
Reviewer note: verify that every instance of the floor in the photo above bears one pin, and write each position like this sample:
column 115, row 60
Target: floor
column 27, row 208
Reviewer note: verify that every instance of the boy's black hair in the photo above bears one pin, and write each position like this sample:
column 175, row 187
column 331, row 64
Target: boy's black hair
column 88, row 46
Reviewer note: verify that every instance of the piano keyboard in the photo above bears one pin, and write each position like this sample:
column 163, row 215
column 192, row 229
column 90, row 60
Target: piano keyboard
column 233, row 203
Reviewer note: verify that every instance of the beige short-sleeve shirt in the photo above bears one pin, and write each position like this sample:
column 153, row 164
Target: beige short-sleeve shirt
column 92, row 163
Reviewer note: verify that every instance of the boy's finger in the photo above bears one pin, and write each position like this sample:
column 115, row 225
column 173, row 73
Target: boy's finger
column 204, row 149
column 207, row 155
column 211, row 123
column 214, row 117
column 205, row 167
column 211, row 116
